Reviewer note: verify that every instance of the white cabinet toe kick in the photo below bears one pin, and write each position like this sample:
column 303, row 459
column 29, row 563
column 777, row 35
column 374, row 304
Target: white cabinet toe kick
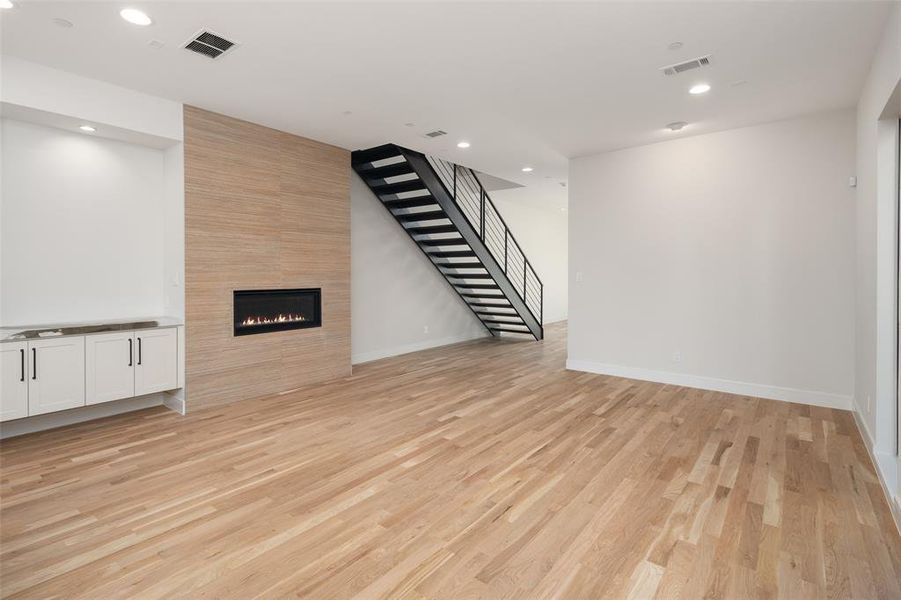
column 40, row 376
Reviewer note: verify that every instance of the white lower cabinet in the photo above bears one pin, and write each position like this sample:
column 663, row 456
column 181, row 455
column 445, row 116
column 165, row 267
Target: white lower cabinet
column 56, row 380
column 52, row 374
column 156, row 368
column 109, row 367
column 13, row 381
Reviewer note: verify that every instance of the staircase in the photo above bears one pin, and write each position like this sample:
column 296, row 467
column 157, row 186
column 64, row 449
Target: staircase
column 446, row 211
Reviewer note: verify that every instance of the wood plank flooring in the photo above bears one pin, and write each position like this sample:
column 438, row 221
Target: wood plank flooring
column 482, row 470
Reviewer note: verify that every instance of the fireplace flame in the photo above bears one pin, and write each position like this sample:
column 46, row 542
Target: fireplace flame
column 280, row 318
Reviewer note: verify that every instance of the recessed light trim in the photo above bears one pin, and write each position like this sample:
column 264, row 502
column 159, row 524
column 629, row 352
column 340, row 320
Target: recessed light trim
column 64, row 23
column 675, row 45
column 88, row 128
column 677, row 125
column 699, row 88
column 527, row 169
column 462, row 144
column 135, row 16
column 7, row 4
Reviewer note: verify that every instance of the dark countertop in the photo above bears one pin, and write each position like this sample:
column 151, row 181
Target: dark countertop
column 38, row 332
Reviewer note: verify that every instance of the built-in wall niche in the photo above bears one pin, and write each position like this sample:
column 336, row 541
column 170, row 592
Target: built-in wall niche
column 263, row 311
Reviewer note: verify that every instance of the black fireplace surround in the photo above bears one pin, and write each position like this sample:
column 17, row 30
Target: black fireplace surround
column 262, row 311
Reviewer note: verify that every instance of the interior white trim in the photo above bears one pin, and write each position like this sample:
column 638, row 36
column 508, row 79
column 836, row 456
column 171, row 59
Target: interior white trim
column 78, row 415
column 770, row 392
column 885, row 469
column 365, row 357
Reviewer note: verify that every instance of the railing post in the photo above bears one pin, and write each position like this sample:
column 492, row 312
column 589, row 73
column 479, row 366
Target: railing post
column 482, row 215
column 525, row 264
column 455, row 182
column 541, row 304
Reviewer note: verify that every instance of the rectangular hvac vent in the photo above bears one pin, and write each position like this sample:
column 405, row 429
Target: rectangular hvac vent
column 436, row 133
column 209, row 44
column 688, row 65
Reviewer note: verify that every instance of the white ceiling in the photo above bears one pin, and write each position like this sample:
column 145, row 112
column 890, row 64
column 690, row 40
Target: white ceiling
column 526, row 83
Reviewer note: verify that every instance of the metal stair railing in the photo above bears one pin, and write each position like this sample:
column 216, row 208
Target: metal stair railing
column 470, row 196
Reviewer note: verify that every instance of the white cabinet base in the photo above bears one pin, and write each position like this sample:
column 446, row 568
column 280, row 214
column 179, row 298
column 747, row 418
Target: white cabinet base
column 57, row 374
column 109, row 367
column 13, row 381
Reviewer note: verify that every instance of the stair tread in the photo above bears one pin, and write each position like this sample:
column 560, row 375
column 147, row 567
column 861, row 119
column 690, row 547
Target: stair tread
column 452, row 254
column 410, row 202
column 460, row 265
column 488, row 304
column 476, row 286
column 447, row 242
column 392, row 170
column 384, row 189
column 519, row 324
column 373, row 154
column 426, row 215
column 468, row 275
column 523, row 331
column 468, row 295
column 450, row 228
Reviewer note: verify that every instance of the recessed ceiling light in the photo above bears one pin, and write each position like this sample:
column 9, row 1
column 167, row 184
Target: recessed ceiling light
column 7, row 4
column 675, row 45
column 699, row 88
column 64, row 23
column 135, row 16
column 462, row 144
column 677, row 126
column 527, row 169
column 88, row 128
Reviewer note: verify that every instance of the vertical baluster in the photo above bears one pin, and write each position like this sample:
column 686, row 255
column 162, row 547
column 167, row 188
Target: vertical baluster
column 525, row 264
column 455, row 183
column 506, row 235
column 482, row 214
column 541, row 303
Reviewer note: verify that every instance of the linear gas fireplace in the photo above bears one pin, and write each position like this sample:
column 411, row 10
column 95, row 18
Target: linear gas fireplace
column 261, row 311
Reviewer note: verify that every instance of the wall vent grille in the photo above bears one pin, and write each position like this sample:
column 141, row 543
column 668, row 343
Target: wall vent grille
column 436, row 133
column 688, row 65
column 209, row 44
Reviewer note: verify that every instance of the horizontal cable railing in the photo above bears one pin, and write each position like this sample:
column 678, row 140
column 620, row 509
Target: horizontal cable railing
column 472, row 199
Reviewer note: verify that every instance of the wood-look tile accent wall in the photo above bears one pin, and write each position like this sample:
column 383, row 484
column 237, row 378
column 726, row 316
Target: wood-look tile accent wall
column 264, row 209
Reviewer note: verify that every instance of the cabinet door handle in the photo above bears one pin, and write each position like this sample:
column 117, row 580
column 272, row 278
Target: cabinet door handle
column 139, row 350
column 34, row 363
column 22, row 376
column 130, row 352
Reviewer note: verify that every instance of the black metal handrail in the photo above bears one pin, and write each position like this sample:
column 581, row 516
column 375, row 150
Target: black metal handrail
column 483, row 216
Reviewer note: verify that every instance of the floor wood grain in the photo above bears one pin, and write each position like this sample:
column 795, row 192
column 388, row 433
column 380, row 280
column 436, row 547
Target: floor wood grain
column 482, row 470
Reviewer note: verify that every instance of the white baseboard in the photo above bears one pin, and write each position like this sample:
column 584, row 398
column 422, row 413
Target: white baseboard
column 364, row 357
column 886, row 469
column 77, row 415
column 770, row 392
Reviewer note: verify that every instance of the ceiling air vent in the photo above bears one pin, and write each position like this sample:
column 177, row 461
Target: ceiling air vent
column 688, row 65
column 436, row 133
column 209, row 44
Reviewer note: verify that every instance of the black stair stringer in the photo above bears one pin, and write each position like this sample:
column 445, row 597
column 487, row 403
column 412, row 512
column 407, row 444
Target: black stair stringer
column 444, row 199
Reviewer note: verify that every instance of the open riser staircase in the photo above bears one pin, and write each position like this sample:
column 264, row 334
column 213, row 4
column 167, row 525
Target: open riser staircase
column 446, row 211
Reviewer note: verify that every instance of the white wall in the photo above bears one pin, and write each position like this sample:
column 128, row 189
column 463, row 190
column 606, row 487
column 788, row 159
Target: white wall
column 877, row 163
column 82, row 227
column 27, row 84
column 722, row 261
column 395, row 290
column 538, row 220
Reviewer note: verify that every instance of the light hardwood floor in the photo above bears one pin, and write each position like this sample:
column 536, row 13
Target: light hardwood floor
column 483, row 470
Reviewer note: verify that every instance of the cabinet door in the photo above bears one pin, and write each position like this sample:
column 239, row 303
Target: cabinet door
column 13, row 380
column 56, row 378
column 156, row 368
column 109, row 367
